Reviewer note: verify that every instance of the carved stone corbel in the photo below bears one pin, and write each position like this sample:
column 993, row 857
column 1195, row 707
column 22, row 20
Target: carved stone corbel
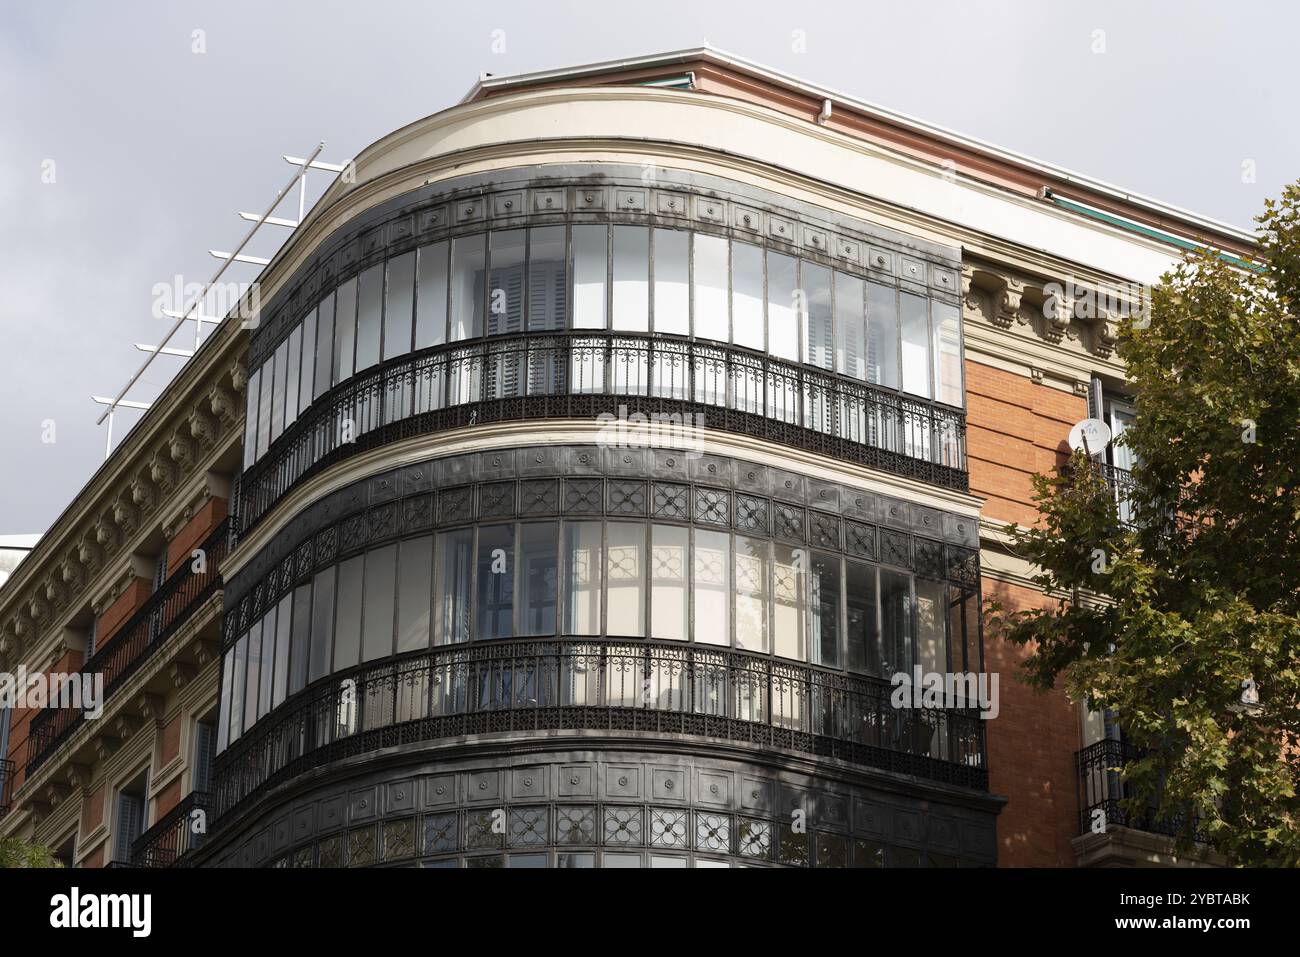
column 149, row 706
column 144, row 491
column 1006, row 303
column 162, row 470
column 238, row 376
column 106, row 532
column 126, row 516
column 182, row 674
column 77, row 775
column 1058, row 310
column 225, row 403
column 1107, row 335
column 181, row 449
column 126, row 724
column 105, row 745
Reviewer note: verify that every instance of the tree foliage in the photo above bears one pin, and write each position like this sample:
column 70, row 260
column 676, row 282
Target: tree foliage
column 18, row 853
column 1170, row 620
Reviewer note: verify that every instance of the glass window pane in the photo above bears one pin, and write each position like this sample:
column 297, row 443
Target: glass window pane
column 452, row 580
column 250, row 417
column 431, row 297
column 496, row 581
column 238, row 685
column 669, row 609
column 301, row 644
column 710, row 281
column 548, row 284
column 863, row 636
column 380, row 592
column 818, row 334
column 752, row 575
column 291, row 380
column 345, row 330
column 625, row 579
column 632, row 278
column 747, row 295
column 264, row 407
column 283, row 620
column 347, row 626
column 506, row 282
column 277, row 393
column 590, row 268
column 882, row 335
column 269, row 633
column 789, row 601
column 324, row 376
column 931, row 617
column 253, row 675
column 223, row 709
column 308, row 361
column 415, row 593
column 672, row 282
column 711, row 579
column 399, row 293
column 539, row 556
column 582, row 568
column 947, row 353
column 824, row 584
column 322, row 623
column 782, row 319
column 916, row 344
column 896, row 622
column 468, row 255
column 370, row 312
column 850, row 326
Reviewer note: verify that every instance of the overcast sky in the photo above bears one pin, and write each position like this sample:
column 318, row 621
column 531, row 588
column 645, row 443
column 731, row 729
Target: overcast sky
column 155, row 147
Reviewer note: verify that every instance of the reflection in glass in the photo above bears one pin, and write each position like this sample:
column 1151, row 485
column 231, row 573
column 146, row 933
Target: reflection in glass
column 863, row 636
column 506, row 282
column 669, row 610
column 264, row 407
column 250, row 417
column 850, row 326
column 301, row 643
column 237, row 686
column 882, row 335
column 710, row 282
column 824, row 582
column 582, row 568
column 308, row 360
column 782, row 298
column 431, row 296
column 398, row 302
column 947, row 353
column 467, row 266
column 819, row 339
column 916, row 344
column 496, row 581
column 370, row 314
column 747, row 295
column 625, row 579
column 283, row 620
column 223, row 709
column 345, row 329
column 268, row 662
column 324, row 346
column 896, row 621
column 322, row 623
column 347, row 626
column 672, row 310
column 291, row 381
column 380, row 592
column 538, row 572
column 631, row 253
column 253, row 674
column 452, row 580
column 931, row 612
column 590, row 272
column 547, row 279
column 789, row 602
column 752, row 575
column 712, row 587
column 414, row 593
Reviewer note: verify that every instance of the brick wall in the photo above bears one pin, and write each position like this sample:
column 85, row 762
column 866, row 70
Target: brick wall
column 118, row 613
column 194, row 532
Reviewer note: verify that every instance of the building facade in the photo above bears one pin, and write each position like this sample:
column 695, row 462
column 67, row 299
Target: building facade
column 607, row 445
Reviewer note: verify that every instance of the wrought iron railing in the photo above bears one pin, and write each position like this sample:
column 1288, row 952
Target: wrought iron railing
column 176, row 833
column 601, row 684
column 6, row 785
column 166, row 610
column 1105, row 796
column 585, row 375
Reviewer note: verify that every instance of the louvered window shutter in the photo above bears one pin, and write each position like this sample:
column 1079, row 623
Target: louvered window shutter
column 130, row 824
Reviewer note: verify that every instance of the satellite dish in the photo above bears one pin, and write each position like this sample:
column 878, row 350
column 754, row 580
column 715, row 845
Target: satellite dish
column 1090, row 436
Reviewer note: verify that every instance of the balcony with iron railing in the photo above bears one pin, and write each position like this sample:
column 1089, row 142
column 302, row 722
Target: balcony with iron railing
column 590, row 685
column 175, row 834
column 122, row 655
column 6, row 785
column 586, row 375
column 1105, row 795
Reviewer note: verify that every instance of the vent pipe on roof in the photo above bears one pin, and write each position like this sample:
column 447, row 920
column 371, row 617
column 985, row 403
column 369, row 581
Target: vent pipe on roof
column 825, row 114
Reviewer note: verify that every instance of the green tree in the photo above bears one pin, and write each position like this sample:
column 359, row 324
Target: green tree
column 17, row 853
column 1172, row 620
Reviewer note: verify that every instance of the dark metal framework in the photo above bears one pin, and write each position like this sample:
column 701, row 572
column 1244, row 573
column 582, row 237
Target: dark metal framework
column 175, row 834
column 6, row 785
column 1105, row 796
column 584, row 376
column 601, row 684
column 166, row 611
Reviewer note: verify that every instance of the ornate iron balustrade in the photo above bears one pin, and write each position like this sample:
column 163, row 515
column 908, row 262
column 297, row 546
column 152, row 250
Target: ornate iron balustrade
column 584, row 375
column 6, row 785
column 1102, row 787
column 174, row 835
column 122, row 655
column 607, row 685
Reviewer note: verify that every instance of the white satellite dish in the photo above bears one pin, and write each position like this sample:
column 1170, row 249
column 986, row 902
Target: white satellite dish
column 1090, row 436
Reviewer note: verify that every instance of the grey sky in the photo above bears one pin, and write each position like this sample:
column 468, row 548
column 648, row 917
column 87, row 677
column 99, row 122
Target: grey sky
column 156, row 147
